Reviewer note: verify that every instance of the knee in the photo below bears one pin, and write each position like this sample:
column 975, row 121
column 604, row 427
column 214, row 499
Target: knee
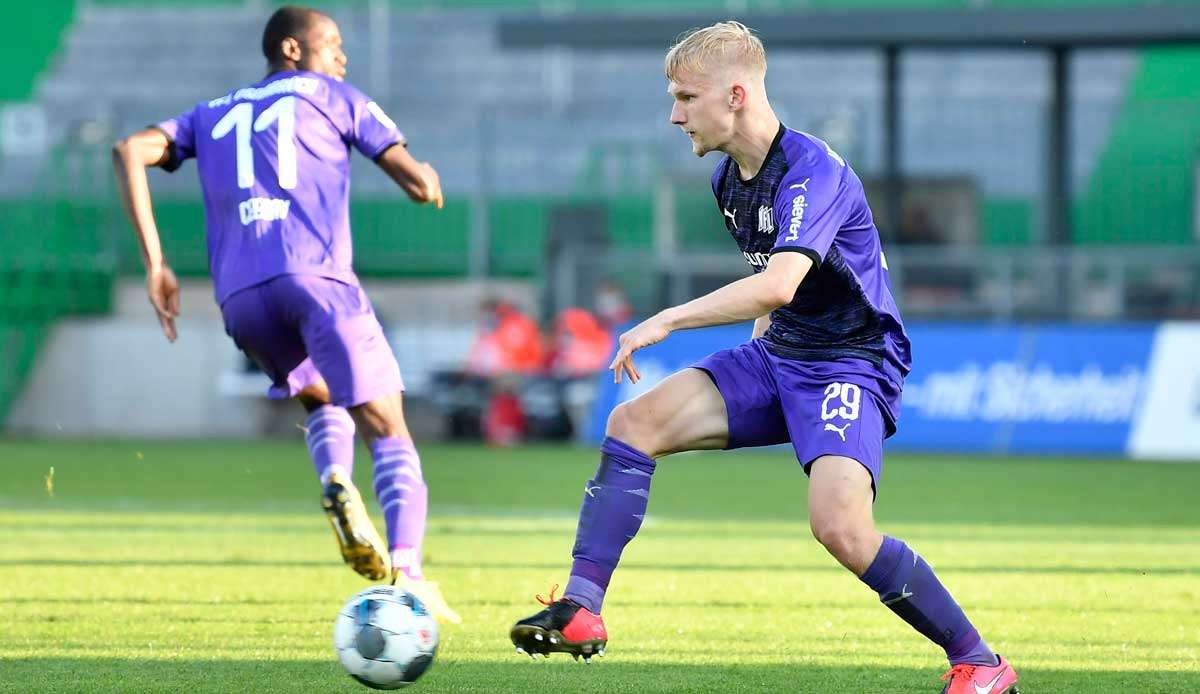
column 633, row 424
column 382, row 418
column 846, row 538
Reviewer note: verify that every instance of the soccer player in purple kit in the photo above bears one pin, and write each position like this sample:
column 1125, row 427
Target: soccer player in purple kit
column 274, row 165
column 823, row 371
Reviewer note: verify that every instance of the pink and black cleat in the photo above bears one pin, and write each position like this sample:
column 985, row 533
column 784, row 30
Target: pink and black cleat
column 965, row 678
column 564, row 626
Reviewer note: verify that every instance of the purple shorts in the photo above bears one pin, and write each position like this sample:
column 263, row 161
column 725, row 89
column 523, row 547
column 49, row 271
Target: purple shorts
column 821, row 408
column 302, row 329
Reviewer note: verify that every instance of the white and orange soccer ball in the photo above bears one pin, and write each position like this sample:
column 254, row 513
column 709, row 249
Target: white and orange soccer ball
column 385, row 638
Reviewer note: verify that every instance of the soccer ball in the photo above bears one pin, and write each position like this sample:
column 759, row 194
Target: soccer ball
column 385, row 638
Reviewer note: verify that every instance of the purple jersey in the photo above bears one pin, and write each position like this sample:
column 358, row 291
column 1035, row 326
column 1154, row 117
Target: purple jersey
column 274, row 164
column 806, row 199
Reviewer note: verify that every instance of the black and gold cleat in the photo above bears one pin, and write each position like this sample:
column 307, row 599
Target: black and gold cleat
column 361, row 546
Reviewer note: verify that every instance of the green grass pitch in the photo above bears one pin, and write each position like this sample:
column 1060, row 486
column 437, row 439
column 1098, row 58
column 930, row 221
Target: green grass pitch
column 189, row 567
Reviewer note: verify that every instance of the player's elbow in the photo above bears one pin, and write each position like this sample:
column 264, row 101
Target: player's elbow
column 121, row 149
column 779, row 292
column 783, row 276
column 125, row 153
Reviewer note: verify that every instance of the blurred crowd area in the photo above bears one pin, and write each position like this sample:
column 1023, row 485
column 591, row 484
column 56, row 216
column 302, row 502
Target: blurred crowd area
column 522, row 380
column 575, row 205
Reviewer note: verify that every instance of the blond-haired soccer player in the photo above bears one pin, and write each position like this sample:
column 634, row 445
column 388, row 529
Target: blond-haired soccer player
column 823, row 370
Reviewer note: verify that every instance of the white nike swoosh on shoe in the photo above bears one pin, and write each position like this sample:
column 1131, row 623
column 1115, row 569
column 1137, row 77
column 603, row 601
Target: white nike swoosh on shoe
column 986, row 689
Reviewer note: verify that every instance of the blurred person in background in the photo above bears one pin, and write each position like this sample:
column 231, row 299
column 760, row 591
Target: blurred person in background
column 612, row 306
column 273, row 160
column 580, row 344
column 507, row 348
column 508, row 342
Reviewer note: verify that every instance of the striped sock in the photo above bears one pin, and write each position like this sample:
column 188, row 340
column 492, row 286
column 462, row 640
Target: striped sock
column 401, row 491
column 329, row 433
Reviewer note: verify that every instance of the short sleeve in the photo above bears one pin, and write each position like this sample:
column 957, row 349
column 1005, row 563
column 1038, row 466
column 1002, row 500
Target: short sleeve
column 181, row 131
column 371, row 130
column 810, row 207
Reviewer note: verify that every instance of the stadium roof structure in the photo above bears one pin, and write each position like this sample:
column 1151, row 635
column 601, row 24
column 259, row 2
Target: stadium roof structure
column 1058, row 31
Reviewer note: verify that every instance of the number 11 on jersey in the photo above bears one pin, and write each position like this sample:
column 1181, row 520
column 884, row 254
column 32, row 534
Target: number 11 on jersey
column 238, row 119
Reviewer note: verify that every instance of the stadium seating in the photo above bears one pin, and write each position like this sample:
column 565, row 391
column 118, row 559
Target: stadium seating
column 517, row 126
column 515, row 133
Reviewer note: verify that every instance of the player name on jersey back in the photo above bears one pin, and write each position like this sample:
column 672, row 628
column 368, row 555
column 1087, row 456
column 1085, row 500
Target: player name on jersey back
column 287, row 85
column 263, row 209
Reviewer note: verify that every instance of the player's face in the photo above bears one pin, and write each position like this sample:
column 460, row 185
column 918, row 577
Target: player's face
column 701, row 109
column 322, row 51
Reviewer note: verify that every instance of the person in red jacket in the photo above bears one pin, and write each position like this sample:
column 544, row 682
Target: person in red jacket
column 508, row 342
column 581, row 344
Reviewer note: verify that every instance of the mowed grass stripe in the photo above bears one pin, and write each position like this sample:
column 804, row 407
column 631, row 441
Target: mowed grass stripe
column 120, row 582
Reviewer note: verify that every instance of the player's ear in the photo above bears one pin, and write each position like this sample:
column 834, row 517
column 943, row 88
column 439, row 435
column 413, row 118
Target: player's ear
column 291, row 49
column 737, row 96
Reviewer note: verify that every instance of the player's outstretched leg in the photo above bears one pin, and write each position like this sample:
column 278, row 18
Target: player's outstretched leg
column 684, row 412
column 908, row 586
column 614, row 504
column 329, row 434
column 840, row 506
column 403, row 496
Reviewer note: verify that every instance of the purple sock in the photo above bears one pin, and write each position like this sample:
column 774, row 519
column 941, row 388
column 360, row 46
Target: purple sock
column 614, row 504
column 401, row 491
column 329, row 433
column 907, row 585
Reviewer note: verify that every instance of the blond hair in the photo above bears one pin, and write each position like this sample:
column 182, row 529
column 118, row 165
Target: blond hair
column 722, row 45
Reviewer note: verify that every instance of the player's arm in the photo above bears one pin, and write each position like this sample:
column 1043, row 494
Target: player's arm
column 418, row 179
column 746, row 299
column 131, row 156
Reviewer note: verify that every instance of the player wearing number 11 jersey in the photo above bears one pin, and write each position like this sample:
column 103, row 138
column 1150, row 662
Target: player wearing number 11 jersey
column 274, row 164
column 823, row 371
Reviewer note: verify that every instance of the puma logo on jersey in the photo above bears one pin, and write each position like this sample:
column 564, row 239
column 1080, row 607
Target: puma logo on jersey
column 841, row 431
column 732, row 220
column 589, row 490
column 803, row 185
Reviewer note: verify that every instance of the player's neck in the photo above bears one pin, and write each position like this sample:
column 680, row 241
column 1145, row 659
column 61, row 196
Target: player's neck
column 285, row 66
column 751, row 144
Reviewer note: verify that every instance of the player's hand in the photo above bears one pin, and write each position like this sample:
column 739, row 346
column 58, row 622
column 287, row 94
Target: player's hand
column 432, row 184
column 163, row 289
column 644, row 334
